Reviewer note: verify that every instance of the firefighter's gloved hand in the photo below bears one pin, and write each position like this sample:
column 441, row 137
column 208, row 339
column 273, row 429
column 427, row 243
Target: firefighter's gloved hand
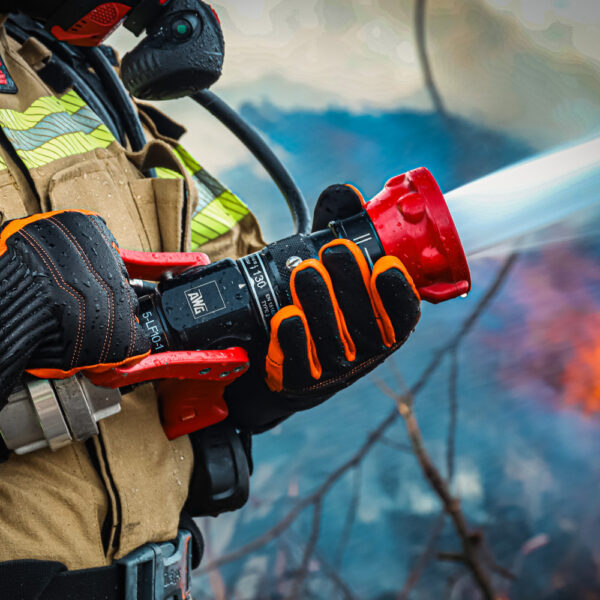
column 65, row 303
column 345, row 320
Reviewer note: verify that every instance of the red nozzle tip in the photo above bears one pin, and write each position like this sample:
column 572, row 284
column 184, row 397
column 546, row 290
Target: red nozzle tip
column 413, row 222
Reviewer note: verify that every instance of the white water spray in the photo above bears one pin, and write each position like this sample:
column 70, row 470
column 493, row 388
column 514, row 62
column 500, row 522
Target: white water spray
column 527, row 197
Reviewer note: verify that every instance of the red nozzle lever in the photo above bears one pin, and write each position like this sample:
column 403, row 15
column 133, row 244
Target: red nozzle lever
column 413, row 223
column 151, row 265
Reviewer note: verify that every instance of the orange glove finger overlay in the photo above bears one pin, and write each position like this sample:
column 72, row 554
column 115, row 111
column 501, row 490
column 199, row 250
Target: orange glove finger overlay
column 291, row 351
column 351, row 279
column 313, row 292
column 396, row 299
column 16, row 225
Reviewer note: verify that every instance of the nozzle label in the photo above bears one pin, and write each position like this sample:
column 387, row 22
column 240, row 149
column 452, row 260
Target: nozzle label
column 205, row 299
column 156, row 333
column 261, row 287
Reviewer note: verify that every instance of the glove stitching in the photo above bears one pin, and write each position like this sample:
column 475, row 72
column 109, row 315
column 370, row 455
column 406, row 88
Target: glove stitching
column 348, row 375
column 79, row 338
column 132, row 328
column 111, row 304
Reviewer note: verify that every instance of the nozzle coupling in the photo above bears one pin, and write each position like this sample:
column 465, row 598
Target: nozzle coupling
column 414, row 224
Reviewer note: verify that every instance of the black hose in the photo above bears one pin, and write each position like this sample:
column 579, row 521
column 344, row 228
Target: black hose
column 110, row 79
column 265, row 156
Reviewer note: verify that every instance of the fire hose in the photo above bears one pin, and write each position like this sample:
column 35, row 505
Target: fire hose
column 208, row 321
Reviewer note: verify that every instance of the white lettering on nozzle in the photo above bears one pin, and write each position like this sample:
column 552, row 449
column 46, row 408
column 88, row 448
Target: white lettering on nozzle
column 205, row 299
column 197, row 303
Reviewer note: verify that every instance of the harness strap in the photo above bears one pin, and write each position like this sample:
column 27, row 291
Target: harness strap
column 46, row 580
column 156, row 571
column 103, row 583
column 27, row 579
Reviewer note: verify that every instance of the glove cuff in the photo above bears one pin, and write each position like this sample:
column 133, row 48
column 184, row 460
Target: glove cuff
column 25, row 320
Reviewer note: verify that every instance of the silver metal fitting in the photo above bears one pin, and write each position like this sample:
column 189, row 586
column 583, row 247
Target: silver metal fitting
column 45, row 413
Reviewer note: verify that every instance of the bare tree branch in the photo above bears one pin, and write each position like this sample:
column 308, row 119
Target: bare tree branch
column 331, row 572
column 453, row 409
column 215, row 579
column 400, row 446
column 467, row 325
column 451, row 505
column 303, row 503
column 350, row 518
column 452, row 557
column 426, row 556
column 308, row 551
column 491, row 562
column 421, row 39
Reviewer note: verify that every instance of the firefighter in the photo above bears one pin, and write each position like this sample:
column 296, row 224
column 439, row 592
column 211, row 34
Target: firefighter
column 100, row 519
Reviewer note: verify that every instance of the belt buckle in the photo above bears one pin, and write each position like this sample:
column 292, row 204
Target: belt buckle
column 160, row 571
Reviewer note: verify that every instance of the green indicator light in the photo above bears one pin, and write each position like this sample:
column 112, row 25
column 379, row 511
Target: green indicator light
column 182, row 29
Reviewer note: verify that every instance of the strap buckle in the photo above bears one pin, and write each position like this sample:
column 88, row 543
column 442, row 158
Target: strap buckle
column 160, row 571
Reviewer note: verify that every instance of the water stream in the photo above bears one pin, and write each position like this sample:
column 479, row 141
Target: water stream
column 527, row 197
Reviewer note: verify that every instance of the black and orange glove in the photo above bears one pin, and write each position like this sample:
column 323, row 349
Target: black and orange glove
column 346, row 319
column 65, row 302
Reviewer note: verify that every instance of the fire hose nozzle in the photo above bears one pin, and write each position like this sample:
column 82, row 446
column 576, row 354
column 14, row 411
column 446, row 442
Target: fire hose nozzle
column 42, row 413
column 414, row 224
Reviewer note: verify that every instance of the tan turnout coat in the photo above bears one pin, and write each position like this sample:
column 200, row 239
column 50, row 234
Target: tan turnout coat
column 134, row 482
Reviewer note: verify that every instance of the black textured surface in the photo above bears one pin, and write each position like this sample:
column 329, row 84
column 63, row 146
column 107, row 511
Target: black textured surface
column 337, row 201
column 38, row 9
column 25, row 319
column 163, row 66
column 353, row 299
column 65, row 299
column 279, row 252
column 401, row 304
column 221, row 478
column 27, row 579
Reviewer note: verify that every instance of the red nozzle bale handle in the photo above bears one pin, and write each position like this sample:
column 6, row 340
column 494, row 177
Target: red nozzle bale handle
column 414, row 224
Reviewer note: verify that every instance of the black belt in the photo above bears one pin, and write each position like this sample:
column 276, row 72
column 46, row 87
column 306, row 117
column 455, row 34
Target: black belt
column 152, row 572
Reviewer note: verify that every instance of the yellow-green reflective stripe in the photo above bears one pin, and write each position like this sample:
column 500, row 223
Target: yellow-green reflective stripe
column 72, row 102
column 217, row 218
column 42, row 107
column 2, row 164
column 189, row 162
column 164, row 173
column 53, row 128
column 68, row 144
